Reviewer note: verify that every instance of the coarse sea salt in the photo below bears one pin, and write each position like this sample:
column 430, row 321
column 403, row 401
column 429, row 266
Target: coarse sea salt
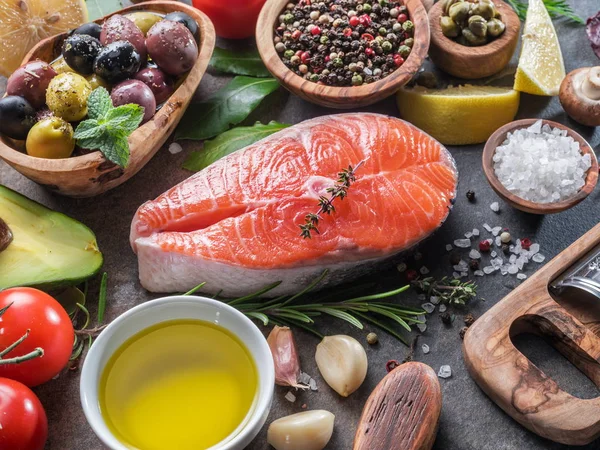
column 541, row 164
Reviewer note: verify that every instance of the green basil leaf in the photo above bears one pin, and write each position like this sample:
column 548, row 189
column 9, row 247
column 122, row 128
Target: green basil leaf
column 100, row 8
column 239, row 63
column 228, row 106
column 229, row 142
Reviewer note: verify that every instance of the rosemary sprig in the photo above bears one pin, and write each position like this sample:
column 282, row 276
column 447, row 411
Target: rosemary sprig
column 556, row 8
column 345, row 179
column 451, row 291
column 291, row 311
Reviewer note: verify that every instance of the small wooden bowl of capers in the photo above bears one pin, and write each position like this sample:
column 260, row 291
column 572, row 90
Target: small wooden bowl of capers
column 473, row 39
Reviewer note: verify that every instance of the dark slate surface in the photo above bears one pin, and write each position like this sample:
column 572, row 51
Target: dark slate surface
column 470, row 421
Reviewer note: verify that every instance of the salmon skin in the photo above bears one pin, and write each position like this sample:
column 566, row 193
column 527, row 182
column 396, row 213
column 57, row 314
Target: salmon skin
column 235, row 224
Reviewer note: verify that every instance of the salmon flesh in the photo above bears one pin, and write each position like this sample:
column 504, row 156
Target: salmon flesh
column 235, row 225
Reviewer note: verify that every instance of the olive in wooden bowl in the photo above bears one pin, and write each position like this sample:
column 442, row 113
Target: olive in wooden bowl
column 380, row 61
column 90, row 174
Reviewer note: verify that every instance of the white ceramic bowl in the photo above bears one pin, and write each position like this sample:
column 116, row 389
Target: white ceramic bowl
column 172, row 308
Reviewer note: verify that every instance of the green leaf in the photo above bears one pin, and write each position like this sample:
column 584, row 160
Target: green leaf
column 228, row 106
column 125, row 118
column 102, row 298
column 99, row 103
column 239, row 63
column 69, row 299
column 89, row 129
column 229, row 142
column 556, row 8
column 259, row 316
column 100, row 8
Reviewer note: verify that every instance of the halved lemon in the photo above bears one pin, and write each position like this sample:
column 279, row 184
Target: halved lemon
column 541, row 67
column 459, row 115
column 24, row 23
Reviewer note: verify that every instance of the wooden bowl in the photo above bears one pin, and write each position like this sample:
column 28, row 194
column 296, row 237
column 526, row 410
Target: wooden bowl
column 91, row 174
column 340, row 97
column 498, row 138
column 473, row 62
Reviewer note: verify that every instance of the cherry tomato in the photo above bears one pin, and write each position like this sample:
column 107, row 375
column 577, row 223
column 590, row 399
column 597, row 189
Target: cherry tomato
column 22, row 416
column 233, row 19
column 50, row 329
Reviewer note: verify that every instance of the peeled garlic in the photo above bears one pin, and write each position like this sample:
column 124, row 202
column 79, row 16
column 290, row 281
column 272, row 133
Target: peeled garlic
column 343, row 363
column 309, row 430
column 287, row 364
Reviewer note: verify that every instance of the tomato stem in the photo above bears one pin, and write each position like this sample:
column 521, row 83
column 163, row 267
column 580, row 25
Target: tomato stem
column 14, row 345
column 19, row 359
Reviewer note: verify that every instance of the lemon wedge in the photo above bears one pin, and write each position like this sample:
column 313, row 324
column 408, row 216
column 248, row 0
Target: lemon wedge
column 541, row 66
column 459, row 115
column 24, row 23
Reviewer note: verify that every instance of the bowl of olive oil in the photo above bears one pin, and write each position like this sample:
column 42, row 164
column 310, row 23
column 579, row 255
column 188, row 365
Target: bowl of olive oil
column 179, row 372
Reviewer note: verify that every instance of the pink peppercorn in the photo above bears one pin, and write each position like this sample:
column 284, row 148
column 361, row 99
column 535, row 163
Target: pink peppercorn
column 304, row 57
column 315, row 31
column 402, row 18
column 365, row 20
column 354, row 21
column 398, row 60
column 412, row 275
column 369, row 52
column 526, row 243
column 296, row 35
column 484, row 246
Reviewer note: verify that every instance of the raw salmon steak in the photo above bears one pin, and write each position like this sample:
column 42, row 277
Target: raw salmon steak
column 235, row 225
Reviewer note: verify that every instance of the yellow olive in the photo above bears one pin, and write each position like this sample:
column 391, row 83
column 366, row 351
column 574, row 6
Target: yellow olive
column 449, row 27
column 472, row 38
column 144, row 20
column 67, row 96
column 61, row 66
column 459, row 12
column 484, row 9
column 50, row 138
column 495, row 27
column 478, row 25
column 96, row 82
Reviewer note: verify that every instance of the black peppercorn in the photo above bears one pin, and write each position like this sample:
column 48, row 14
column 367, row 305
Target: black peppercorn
column 462, row 332
column 446, row 318
column 470, row 196
column 474, row 264
column 506, row 249
column 469, row 320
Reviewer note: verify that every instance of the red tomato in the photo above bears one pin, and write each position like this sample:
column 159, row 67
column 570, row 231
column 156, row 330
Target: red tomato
column 22, row 416
column 233, row 19
column 50, row 329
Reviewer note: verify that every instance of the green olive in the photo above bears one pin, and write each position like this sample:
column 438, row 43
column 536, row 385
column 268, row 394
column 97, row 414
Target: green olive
column 472, row 38
column 96, row 82
column 495, row 27
column 478, row 25
column 484, row 9
column 459, row 12
column 67, row 96
column 449, row 27
column 144, row 20
column 448, row 4
column 51, row 138
column 61, row 66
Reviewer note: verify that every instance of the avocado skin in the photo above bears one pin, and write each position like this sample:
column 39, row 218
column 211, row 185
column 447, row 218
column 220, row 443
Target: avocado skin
column 79, row 265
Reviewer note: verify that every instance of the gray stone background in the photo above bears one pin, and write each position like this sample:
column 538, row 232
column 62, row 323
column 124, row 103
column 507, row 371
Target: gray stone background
column 469, row 421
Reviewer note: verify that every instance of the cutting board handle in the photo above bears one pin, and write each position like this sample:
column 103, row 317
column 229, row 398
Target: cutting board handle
column 519, row 387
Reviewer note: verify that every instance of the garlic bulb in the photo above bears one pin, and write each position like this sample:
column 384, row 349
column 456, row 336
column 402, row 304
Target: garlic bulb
column 287, row 364
column 343, row 363
column 309, row 430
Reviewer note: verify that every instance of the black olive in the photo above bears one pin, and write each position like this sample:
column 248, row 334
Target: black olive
column 185, row 20
column 80, row 51
column 90, row 29
column 117, row 61
column 17, row 117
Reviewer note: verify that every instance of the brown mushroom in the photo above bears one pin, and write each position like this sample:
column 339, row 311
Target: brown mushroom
column 580, row 95
column 6, row 236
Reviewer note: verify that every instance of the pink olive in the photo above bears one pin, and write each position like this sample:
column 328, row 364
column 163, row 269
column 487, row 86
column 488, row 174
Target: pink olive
column 31, row 81
column 134, row 91
column 119, row 28
column 172, row 46
column 159, row 82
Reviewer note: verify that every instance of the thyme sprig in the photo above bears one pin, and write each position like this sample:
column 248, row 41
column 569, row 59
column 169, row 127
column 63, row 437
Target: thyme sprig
column 292, row 311
column 556, row 8
column 345, row 179
column 451, row 291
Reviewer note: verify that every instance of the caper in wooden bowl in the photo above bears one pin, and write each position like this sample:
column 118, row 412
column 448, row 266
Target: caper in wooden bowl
column 471, row 23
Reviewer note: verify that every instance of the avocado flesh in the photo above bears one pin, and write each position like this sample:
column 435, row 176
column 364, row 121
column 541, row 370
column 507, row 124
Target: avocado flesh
column 48, row 250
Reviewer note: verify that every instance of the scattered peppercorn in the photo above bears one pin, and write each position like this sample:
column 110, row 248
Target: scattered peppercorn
column 505, row 249
column 469, row 320
column 462, row 332
column 455, row 258
column 335, row 39
column 484, row 246
column 474, row 264
column 372, row 339
column 505, row 237
column 526, row 243
column 391, row 365
column 446, row 318
column 471, row 196
column 412, row 275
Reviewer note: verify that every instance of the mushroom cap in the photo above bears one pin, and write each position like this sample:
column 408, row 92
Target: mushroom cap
column 580, row 107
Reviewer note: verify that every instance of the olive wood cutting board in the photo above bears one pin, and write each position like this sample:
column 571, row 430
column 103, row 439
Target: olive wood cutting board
column 511, row 380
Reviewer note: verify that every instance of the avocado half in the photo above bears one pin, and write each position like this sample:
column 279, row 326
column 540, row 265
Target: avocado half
column 48, row 249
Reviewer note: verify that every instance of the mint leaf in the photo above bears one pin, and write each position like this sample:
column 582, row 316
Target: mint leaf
column 99, row 103
column 127, row 118
column 116, row 148
column 88, row 129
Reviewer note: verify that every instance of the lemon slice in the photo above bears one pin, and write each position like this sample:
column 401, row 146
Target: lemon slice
column 459, row 115
column 23, row 23
column 541, row 66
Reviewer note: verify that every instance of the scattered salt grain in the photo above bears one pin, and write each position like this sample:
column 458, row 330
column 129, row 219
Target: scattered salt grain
column 496, row 231
column 488, row 269
column 313, row 385
column 455, row 275
column 443, row 308
column 521, row 276
column 498, row 241
column 175, row 148
column 475, row 232
column 495, row 207
column 541, row 164
column 449, row 247
column 421, row 297
column 290, row 397
column 512, row 269
column 445, row 372
column 493, row 254
column 464, row 274
column 487, row 227
column 401, row 267
column 474, row 254
column 534, row 248
column 422, row 327
column 424, row 270
column 479, row 273
column 434, row 299
column 425, row 348
column 468, row 234
column 428, row 307
column 538, row 258
column 462, row 243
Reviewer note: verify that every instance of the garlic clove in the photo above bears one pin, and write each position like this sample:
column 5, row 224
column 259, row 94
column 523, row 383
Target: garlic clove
column 287, row 363
column 308, row 430
column 342, row 362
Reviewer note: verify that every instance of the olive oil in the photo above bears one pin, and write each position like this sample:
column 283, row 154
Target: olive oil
column 182, row 384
